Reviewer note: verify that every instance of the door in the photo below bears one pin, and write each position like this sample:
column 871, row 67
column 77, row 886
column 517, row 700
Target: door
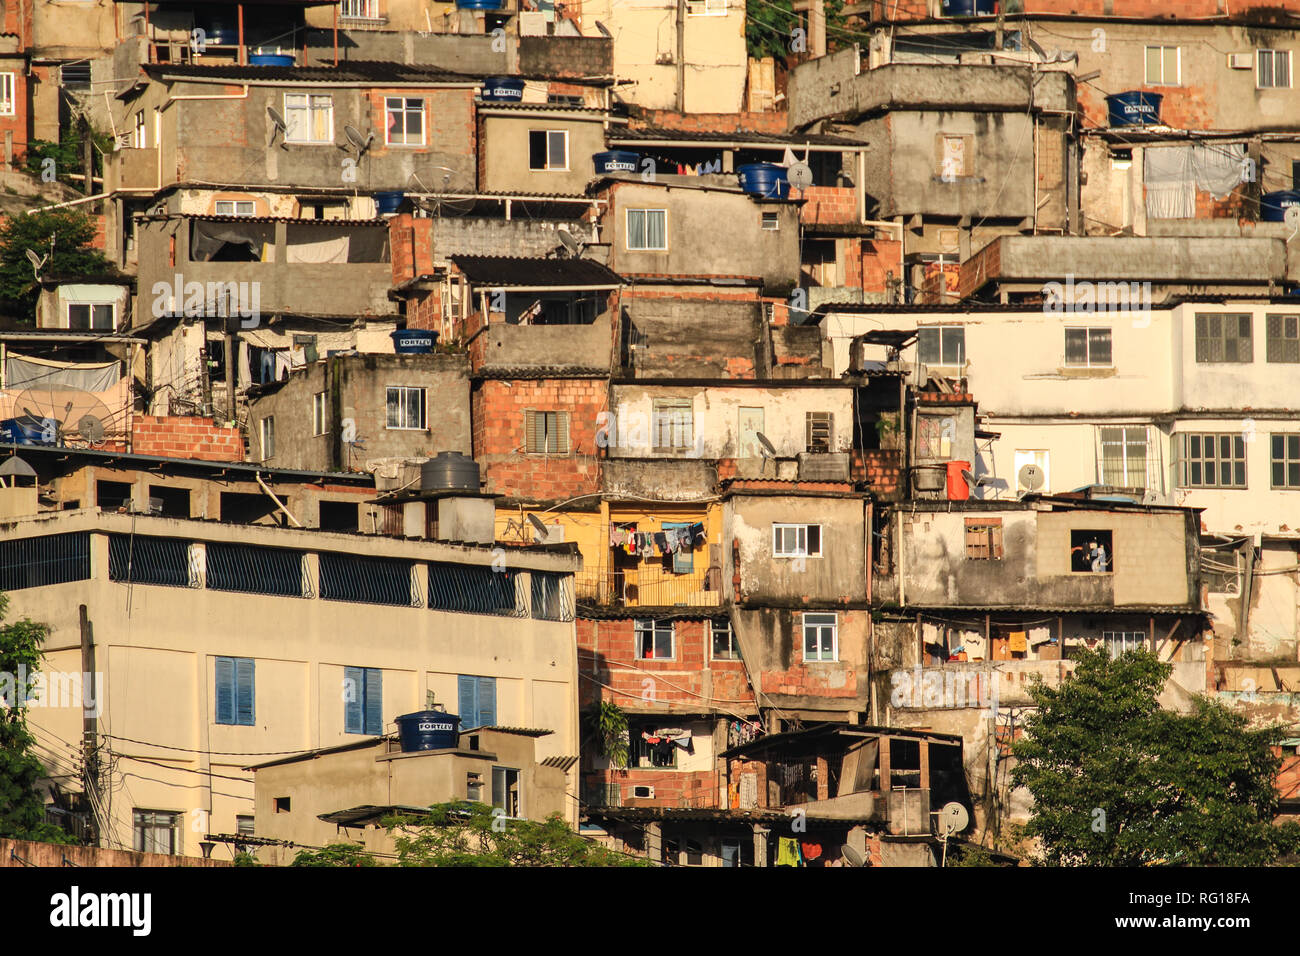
column 750, row 424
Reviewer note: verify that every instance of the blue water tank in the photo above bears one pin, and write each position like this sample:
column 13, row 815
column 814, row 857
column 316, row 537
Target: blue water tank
column 764, row 179
column 428, row 730
column 270, row 59
column 969, row 8
column 387, row 203
column 1135, row 108
column 617, row 161
column 24, row 430
column 502, row 89
column 414, row 341
column 1273, row 206
column 478, row 4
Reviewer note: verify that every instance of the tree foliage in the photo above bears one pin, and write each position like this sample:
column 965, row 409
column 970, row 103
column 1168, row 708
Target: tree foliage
column 770, row 27
column 336, row 854
column 65, row 235
column 1118, row 781
column 610, row 726
column 471, row 834
column 22, row 806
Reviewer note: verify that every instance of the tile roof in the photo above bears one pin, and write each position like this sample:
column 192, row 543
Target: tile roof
column 510, row 271
column 509, row 372
column 378, row 72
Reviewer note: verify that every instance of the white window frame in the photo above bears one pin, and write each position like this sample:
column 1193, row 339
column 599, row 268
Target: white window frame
column 706, row 8
column 266, row 437
column 770, row 217
column 237, row 207
column 365, row 10
column 402, row 415
column 944, row 331
column 310, row 106
column 1125, row 640
column 318, row 415
column 139, row 829
column 1163, row 80
column 505, row 790
column 140, row 136
column 780, row 540
column 90, row 318
column 1124, row 443
column 403, row 110
column 821, row 621
column 627, row 230
column 1087, row 343
column 715, row 628
column 8, row 102
column 1273, row 58
column 643, row 625
column 548, row 167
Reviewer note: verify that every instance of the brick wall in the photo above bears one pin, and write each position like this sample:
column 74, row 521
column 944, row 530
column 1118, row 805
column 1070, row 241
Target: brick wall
column 869, row 263
column 765, row 122
column 411, row 242
column 179, row 436
column 499, row 437
column 880, row 468
column 827, row 205
column 673, row 788
column 980, row 268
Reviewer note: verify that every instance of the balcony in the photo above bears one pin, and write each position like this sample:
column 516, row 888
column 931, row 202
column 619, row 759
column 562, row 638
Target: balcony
column 648, row 587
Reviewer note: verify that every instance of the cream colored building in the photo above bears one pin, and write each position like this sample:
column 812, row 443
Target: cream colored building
column 220, row 645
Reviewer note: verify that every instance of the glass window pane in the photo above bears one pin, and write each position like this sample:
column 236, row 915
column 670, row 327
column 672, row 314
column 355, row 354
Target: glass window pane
column 953, row 346
column 1099, row 346
column 1293, row 446
column 928, row 346
column 1076, row 347
column 1293, row 475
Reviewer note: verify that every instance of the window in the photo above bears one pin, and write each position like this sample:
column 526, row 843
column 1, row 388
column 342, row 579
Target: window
column 647, row 230
column 1223, row 338
column 548, row 149
column 1124, row 456
column 1285, row 452
column 724, row 642
column 674, row 426
column 7, row 105
column 156, row 830
column 1091, row 551
column 82, row 315
column 75, row 76
column 770, row 221
column 796, row 541
column 309, row 118
column 934, row 436
column 650, row 748
column 1163, row 64
column 984, row 538
column 1119, row 642
column 234, row 207
column 820, row 639
column 404, row 120
column 706, row 8
column 266, row 429
column 818, row 428
column 1282, row 338
column 1087, row 347
column 318, row 414
column 283, row 804
column 363, row 699
column 506, row 791
column 1272, row 69
column 941, row 345
column 1213, row 461
column 478, row 701
column 359, row 9
column 405, row 407
column 243, row 825
column 235, row 696
column 140, row 137
column 654, row 640
column 546, row 433
column 737, row 852
column 473, row 786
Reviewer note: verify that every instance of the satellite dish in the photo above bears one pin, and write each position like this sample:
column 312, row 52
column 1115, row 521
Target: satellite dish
column 359, row 143
column 768, row 447
column 58, row 406
column 953, row 818
column 1291, row 217
column 1031, row 477
column 91, row 428
column 851, row 856
column 542, row 531
column 276, row 119
column 38, row 262
column 453, row 193
column 972, row 480
column 572, row 245
column 800, row 175
column 604, row 30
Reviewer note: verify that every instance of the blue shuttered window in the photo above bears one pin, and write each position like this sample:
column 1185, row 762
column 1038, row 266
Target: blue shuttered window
column 478, row 702
column 363, row 700
column 235, row 691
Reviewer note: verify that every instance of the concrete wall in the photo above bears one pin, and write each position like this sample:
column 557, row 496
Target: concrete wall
column 674, row 335
column 459, row 53
column 505, row 152
column 158, row 663
column 575, row 346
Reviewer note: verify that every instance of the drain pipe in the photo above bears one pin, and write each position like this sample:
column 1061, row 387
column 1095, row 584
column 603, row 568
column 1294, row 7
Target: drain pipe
column 278, row 503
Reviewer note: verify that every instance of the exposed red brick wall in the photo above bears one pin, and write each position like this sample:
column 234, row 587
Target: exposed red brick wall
column 827, row 205
column 980, row 268
column 881, row 468
column 1287, row 782
column 692, row 679
column 411, row 242
column 179, row 436
column 499, row 437
column 15, row 852
column 673, row 788
column 764, row 122
column 869, row 263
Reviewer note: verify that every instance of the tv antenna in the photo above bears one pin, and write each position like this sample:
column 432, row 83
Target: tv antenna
column 278, row 125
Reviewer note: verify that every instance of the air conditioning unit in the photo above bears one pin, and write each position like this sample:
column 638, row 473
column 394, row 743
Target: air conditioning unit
column 1241, row 61
column 643, row 792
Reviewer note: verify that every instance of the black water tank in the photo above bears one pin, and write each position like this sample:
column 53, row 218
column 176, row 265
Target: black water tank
column 427, row 730
column 450, row 469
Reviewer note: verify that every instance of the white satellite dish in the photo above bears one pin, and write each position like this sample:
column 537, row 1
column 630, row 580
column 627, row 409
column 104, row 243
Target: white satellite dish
column 278, row 125
column 571, row 244
column 1292, row 218
column 1031, row 477
column 800, row 175
column 851, row 856
column 38, row 262
column 953, row 818
column 359, row 143
column 768, row 448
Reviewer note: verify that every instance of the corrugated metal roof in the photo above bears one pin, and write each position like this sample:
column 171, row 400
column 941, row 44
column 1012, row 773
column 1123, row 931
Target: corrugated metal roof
column 563, row 763
column 508, row 372
column 378, row 72
column 509, row 271
column 520, row 731
column 709, row 136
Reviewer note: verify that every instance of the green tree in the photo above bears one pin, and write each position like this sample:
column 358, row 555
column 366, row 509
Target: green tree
column 770, row 29
column 336, row 854
column 1118, row 781
column 471, row 834
column 609, row 724
column 22, row 807
column 64, row 235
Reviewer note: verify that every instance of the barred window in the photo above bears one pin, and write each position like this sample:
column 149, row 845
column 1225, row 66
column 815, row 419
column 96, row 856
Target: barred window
column 1283, row 338
column 820, row 432
column 984, row 538
column 1223, row 338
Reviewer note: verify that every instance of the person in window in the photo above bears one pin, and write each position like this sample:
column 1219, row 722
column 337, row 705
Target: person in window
column 1094, row 555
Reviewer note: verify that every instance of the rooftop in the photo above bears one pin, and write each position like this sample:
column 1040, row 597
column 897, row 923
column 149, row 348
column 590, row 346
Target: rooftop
column 509, row 271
